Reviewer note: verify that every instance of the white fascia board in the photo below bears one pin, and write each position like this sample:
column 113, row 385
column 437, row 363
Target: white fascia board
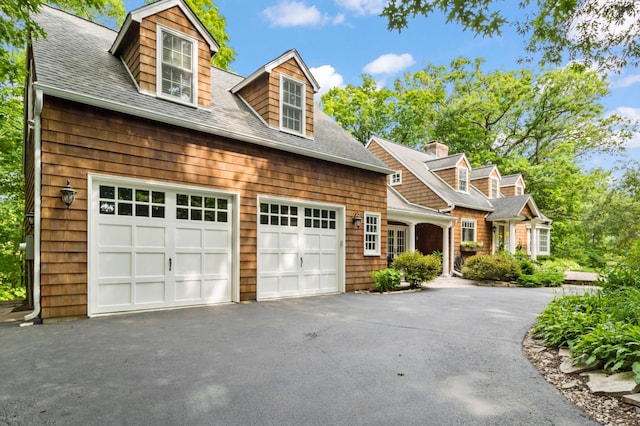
column 139, row 14
column 167, row 119
column 276, row 63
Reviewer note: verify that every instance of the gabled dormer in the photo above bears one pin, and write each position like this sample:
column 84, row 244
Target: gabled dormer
column 168, row 51
column 512, row 185
column 453, row 169
column 487, row 180
column 281, row 93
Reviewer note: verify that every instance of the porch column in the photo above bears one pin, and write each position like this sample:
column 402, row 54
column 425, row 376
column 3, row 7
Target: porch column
column 445, row 251
column 512, row 237
column 533, row 250
column 412, row 236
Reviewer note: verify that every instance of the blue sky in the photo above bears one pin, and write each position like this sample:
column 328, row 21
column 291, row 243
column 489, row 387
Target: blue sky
column 341, row 39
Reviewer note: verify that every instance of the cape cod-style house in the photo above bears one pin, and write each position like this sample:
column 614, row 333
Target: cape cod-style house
column 487, row 212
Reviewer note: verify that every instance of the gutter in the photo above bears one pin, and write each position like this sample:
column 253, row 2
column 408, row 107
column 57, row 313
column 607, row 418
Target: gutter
column 37, row 177
column 151, row 115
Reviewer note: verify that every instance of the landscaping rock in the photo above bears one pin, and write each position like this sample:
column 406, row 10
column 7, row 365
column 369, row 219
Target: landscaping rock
column 633, row 399
column 618, row 384
column 564, row 352
column 567, row 366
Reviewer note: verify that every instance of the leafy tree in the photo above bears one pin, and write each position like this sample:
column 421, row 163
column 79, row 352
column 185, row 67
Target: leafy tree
column 591, row 31
column 362, row 110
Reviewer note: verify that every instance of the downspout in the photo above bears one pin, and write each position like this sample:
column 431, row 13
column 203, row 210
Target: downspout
column 37, row 180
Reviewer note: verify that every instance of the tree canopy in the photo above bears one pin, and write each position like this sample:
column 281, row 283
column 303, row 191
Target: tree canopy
column 606, row 33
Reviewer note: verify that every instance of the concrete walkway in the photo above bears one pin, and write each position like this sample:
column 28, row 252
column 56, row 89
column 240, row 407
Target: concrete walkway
column 449, row 355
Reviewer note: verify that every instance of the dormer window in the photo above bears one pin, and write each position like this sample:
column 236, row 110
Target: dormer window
column 396, row 178
column 292, row 105
column 463, row 179
column 519, row 190
column 176, row 64
column 494, row 189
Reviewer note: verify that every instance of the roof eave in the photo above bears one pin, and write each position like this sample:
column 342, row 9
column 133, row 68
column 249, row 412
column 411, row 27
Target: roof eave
column 163, row 118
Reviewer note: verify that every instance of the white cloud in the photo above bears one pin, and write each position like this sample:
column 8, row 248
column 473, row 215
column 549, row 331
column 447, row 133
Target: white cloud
column 389, row 64
column 293, row 14
column 363, row 7
column 327, row 77
column 626, row 81
column 633, row 114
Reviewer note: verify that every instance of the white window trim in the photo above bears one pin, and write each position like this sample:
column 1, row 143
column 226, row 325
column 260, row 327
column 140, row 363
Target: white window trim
column 467, row 179
column 396, row 178
column 376, row 250
column 548, row 250
column 303, row 119
column 194, row 65
column 494, row 181
column 475, row 229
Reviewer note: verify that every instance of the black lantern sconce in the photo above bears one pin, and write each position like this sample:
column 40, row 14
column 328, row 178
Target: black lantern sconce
column 357, row 220
column 68, row 194
column 30, row 218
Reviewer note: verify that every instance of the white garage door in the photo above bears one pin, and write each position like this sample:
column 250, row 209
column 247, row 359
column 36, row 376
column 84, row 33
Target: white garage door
column 298, row 250
column 158, row 247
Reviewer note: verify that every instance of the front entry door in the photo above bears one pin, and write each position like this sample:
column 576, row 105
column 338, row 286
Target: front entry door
column 396, row 241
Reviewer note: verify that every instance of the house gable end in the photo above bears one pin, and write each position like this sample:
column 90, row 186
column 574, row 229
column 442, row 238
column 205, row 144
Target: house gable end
column 139, row 46
column 263, row 91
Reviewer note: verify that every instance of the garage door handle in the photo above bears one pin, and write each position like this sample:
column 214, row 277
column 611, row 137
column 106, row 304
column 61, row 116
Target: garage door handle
column 301, row 262
column 169, row 263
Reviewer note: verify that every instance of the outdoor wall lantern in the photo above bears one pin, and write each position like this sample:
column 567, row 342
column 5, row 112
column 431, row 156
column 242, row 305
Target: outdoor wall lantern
column 357, row 220
column 68, row 194
column 30, row 218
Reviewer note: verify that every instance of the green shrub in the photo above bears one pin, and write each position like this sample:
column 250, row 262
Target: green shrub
column 616, row 344
column 491, row 267
column 622, row 276
column 568, row 317
column 526, row 266
column 8, row 292
column 559, row 265
column 622, row 304
column 387, row 279
column 417, row 268
column 541, row 279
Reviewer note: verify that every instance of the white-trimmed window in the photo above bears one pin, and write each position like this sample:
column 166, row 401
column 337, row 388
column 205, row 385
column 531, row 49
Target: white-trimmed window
column 396, row 178
column 177, row 60
column 292, row 105
column 468, row 230
column 543, row 241
column 463, row 179
column 494, row 190
column 519, row 190
column 372, row 234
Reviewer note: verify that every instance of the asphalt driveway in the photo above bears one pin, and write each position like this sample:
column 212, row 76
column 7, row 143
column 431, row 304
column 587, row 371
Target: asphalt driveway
column 445, row 356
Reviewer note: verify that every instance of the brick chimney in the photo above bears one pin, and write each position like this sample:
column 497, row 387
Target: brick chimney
column 437, row 149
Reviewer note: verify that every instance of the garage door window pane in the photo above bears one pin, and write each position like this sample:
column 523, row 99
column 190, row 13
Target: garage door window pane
column 108, row 192
column 125, row 194
column 157, row 197
column 196, row 201
column 196, row 214
column 222, row 204
column 182, row 214
column 142, row 210
column 107, row 207
column 142, row 196
column 125, row 209
column 157, row 211
column 182, row 200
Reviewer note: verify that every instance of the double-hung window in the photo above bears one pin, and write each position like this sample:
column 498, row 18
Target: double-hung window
column 463, row 179
column 543, row 241
column 494, row 187
column 292, row 106
column 468, row 230
column 519, row 190
column 176, row 63
column 371, row 234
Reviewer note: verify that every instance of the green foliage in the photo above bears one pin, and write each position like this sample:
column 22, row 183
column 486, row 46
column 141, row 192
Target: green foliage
column 541, row 279
column 491, row 267
column 387, row 279
column 578, row 29
column 568, row 317
column 417, row 268
column 616, row 344
column 559, row 265
column 621, row 276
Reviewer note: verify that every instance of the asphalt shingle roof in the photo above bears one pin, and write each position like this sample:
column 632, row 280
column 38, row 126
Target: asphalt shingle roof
column 508, row 207
column 415, row 161
column 73, row 62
